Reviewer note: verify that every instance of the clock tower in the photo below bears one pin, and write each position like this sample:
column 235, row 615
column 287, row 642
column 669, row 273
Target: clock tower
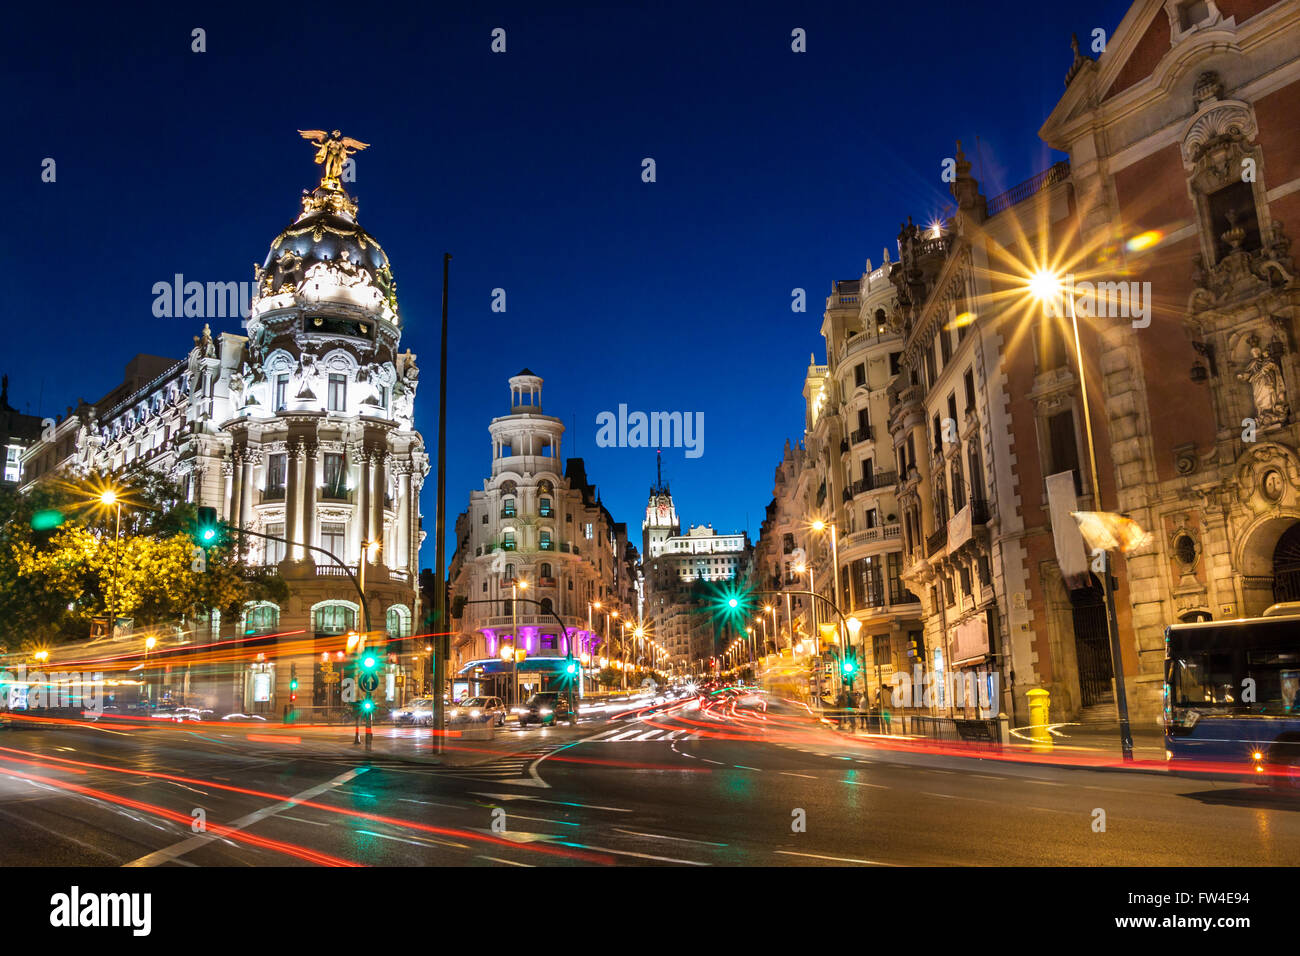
column 660, row 516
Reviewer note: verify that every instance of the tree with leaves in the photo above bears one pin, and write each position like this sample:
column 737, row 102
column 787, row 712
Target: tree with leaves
column 55, row 581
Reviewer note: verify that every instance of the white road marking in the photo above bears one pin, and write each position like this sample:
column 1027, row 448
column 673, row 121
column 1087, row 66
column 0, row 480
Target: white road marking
column 739, row 767
column 806, row 776
column 649, row 735
column 859, row 783
column 660, row 836
column 497, row 859
column 560, row 803
column 413, row 840
column 643, row 856
column 836, row 859
column 315, row 823
column 168, row 854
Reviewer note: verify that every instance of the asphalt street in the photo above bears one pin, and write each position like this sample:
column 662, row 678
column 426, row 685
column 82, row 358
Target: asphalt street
column 728, row 782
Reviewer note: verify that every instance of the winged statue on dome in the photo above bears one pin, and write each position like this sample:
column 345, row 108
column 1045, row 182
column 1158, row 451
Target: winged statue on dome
column 333, row 150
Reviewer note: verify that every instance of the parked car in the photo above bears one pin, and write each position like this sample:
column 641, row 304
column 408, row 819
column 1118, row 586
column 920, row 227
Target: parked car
column 545, row 707
column 418, row 712
column 479, row 709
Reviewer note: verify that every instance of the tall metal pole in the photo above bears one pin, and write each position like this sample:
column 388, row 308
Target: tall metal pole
column 443, row 639
column 117, row 563
column 1112, row 620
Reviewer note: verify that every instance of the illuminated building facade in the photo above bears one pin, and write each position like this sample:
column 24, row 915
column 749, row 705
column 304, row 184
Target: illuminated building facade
column 303, row 428
column 542, row 535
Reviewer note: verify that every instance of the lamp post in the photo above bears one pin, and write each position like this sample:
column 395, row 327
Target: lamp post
column 515, row 587
column 819, row 525
column 109, row 498
column 149, row 643
column 1045, row 285
column 807, row 568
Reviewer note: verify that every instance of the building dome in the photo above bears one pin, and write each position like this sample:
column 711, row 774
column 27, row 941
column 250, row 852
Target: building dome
column 324, row 236
column 326, row 248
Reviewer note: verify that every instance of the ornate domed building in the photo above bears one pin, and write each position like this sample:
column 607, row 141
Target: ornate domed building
column 301, row 429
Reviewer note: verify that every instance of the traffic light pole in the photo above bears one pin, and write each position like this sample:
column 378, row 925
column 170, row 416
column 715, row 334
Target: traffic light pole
column 347, row 570
column 843, row 622
column 365, row 615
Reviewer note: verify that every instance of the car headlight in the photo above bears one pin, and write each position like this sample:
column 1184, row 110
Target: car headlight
column 546, row 710
column 475, row 712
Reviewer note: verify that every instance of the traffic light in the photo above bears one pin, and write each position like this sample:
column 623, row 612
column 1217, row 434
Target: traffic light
column 849, row 666
column 207, row 529
column 571, row 668
column 47, row 520
column 367, row 706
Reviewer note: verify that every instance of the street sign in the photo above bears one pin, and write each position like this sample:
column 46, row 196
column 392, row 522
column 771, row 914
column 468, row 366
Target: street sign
column 330, row 677
column 368, row 682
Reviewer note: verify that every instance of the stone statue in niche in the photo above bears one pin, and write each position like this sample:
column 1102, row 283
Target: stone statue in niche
column 1267, row 387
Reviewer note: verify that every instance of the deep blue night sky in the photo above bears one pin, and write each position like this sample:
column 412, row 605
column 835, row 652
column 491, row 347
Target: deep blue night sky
column 775, row 170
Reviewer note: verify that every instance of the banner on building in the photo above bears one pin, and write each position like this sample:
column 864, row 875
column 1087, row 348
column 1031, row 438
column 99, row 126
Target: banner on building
column 1071, row 555
column 970, row 639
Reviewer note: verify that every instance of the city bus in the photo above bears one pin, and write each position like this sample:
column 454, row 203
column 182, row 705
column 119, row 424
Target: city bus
column 1231, row 700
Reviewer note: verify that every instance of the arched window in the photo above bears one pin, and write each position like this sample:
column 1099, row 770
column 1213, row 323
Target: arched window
column 264, row 617
column 335, row 619
column 545, row 570
column 546, row 606
column 510, row 573
column 397, row 621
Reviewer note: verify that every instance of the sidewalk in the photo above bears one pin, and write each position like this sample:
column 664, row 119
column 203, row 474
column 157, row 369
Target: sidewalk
column 1093, row 739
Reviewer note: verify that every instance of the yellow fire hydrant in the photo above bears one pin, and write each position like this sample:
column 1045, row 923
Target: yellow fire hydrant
column 1039, row 705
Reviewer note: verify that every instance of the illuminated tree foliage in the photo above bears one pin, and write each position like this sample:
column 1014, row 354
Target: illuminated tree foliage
column 55, row 580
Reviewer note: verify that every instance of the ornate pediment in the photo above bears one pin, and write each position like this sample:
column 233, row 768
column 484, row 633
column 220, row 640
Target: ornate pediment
column 1268, row 478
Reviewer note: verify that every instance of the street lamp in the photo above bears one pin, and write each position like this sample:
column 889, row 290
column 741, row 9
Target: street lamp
column 819, row 526
column 1045, row 285
column 110, row 498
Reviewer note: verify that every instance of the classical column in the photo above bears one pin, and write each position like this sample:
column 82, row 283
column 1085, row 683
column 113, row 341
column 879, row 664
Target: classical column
column 402, row 546
column 248, row 463
column 377, row 497
column 230, row 493
column 363, row 500
column 291, row 500
column 309, row 496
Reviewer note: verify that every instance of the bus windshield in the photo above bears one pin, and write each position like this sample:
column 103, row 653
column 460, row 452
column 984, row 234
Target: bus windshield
column 1251, row 668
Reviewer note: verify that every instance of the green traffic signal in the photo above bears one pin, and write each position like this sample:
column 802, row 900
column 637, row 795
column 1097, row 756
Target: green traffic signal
column 369, row 663
column 293, row 684
column 849, row 667
column 367, row 705
column 571, row 668
column 207, row 529
column 47, row 520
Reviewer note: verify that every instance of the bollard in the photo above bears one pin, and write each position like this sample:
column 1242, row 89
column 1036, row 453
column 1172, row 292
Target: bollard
column 1039, row 706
